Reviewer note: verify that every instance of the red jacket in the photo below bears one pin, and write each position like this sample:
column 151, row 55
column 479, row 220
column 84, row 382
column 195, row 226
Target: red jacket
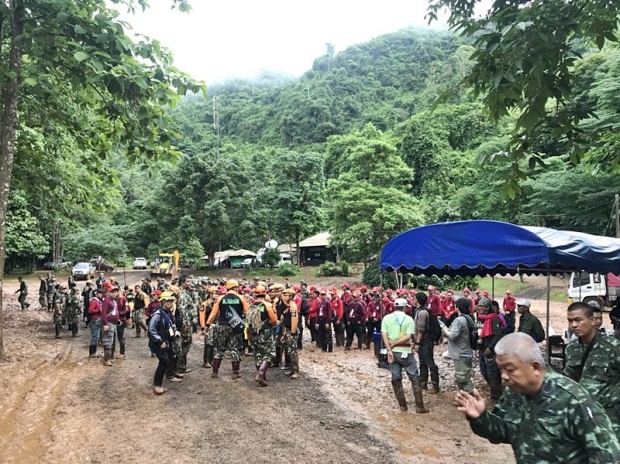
column 373, row 311
column 510, row 304
column 337, row 307
column 356, row 312
column 313, row 308
column 324, row 310
column 94, row 308
column 448, row 307
column 109, row 311
column 151, row 308
column 434, row 302
column 123, row 308
column 388, row 306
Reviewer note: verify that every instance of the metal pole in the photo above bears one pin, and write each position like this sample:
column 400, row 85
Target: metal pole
column 548, row 348
column 493, row 287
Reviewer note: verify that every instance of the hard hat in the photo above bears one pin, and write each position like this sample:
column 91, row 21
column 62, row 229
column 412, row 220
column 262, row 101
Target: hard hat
column 260, row 290
column 231, row 284
column 90, row 282
column 156, row 292
column 167, row 296
column 211, row 289
column 363, row 288
column 288, row 291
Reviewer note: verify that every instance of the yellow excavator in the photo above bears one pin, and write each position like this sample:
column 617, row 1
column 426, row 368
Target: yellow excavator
column 166, row 266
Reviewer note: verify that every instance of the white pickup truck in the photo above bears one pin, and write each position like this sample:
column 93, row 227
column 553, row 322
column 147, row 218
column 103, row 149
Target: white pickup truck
column 597, row 290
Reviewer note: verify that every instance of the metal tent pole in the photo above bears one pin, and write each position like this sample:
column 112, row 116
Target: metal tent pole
column 548, row 348
column 493, row 287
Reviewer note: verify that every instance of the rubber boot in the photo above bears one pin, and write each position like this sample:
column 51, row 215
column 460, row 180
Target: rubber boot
column 397, row 385
column 423, row 376
column 278, row 360
column 235, row 370
column 57, row 328
column 294, row 365
column 216, row 367
column 287, row 364
column 341, row 337
column 261, row 373
column 330, row 348
column 435, row 379
column 206, row 357
column 107, row 353
column 419, row 399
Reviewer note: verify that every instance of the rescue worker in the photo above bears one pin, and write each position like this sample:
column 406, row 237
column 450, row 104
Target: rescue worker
column 261, row 321
column 140, row 302
column 448, row 308
column 206, row 308
column 51, row 292
column 42, row 293
column 373, row 318
column 161, row 331
column 490, row 335
column 433, row 301
column 95, row 308
column 593, row 361
column 338, row 309
column 23, row 293
column 313, row 306
column 509, row 305
column 110, row 319
column 189, row 313
column 397, row 331
column 289, row 319
column 229, row 310
column 74, row 310
column 528, row 323
column 323, row 324
column 60, row 309
column 544, row 416
column 87, row 295
column 356, row 320
column 424, row 345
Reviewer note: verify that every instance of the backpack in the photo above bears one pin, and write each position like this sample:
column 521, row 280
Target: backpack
column 255, row 322
column 433, row 328
column 303, row 311
column 473, row 333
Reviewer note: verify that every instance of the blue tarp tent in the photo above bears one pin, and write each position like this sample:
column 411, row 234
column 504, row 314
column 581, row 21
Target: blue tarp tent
column 469, row 248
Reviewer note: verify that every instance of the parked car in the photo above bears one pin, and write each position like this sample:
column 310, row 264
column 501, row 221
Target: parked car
column 101, row 266
column 140, row 263
column 51, row 265
column 83, row 271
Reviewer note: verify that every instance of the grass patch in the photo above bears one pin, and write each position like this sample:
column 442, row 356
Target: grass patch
column 522, row 289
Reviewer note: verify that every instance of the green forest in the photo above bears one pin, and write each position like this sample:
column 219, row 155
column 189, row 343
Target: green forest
column 371, row 141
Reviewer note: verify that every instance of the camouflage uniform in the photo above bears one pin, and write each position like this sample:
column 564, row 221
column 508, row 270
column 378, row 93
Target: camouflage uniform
column 601, row 373
column 224, row 339
column 561, row 423
column 189, row 313
column 262, row 339
column 60, row 311
column 51, row 293
column 74, row 312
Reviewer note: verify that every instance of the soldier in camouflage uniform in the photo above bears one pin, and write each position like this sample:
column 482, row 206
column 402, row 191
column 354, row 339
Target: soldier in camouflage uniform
column 261, row 321
column 593, row 360
column 51, row 292
column 205, row 311
column 186, row 306
column 60, row 309
column 42, row 293
column 289, row 320
column 224, row 336
column 544, row 416
column 74, row 310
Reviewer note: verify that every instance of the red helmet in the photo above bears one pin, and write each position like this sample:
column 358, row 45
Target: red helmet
column 430, row 288
column 345, row 285
column 363, row 288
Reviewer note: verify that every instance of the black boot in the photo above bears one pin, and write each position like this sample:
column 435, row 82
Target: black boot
column 435, row 379
column 57, row 328
column 330, row 348
column 216, row 367
column 424, row 376
column 397, row 385
column 236, row 365
column 419, row 399
column 206, row 356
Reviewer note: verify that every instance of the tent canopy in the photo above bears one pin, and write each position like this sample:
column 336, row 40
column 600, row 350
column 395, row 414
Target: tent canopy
column 469, row 248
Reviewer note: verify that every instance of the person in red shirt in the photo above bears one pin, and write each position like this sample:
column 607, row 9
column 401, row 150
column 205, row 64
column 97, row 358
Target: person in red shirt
column 373, row 318
column 448, row 308
column 472, row 302
column 509, row 306
column 478, row 297
column 313, row 307
column 356, row 321
column 94, row 311
column 388, row 305
column 324, row 323
column 338, row 309
column 124, row 313
column 366, row 297
column 434, row 302
column 110, row 318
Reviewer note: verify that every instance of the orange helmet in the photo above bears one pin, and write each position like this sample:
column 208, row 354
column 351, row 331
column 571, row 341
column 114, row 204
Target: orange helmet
column 288, row 291
column 230, row 284
column 260, row 290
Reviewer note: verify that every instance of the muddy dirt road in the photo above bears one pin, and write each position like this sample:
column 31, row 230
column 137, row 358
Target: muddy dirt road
column 59, row 407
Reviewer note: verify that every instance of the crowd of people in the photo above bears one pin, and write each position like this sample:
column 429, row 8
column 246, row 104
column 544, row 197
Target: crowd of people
column 266, row 320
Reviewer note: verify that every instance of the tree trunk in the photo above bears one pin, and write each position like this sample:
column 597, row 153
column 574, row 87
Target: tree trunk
column 8, row 129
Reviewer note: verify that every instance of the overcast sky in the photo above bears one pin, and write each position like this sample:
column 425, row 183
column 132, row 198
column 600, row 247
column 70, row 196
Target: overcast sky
column 239, row 38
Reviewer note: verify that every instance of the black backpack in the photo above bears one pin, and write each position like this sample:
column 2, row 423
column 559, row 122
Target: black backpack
column 473, row 333
column 433, row 329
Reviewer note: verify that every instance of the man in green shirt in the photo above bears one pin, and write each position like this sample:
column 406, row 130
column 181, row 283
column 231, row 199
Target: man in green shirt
column 593, row 361
column 544, row 416
column 528, row 323
column 396, row 332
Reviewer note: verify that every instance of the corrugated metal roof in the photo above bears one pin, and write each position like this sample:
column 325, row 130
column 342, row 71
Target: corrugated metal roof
column 318, row 240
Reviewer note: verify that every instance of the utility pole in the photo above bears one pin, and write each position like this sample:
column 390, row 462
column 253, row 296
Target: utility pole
column 617, row 206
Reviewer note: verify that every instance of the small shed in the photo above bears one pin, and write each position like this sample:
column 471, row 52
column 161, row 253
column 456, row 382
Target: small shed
column 316, row 250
